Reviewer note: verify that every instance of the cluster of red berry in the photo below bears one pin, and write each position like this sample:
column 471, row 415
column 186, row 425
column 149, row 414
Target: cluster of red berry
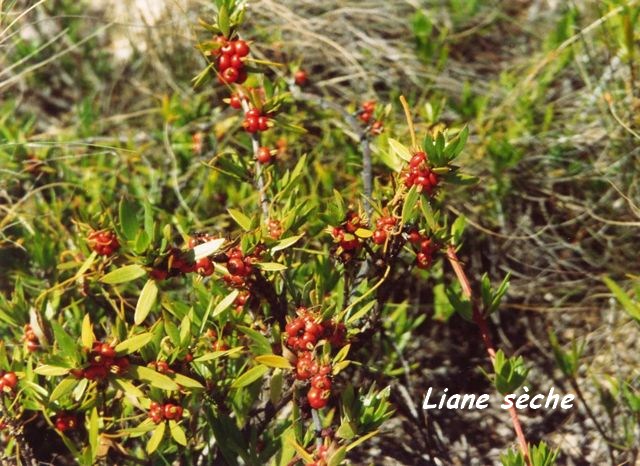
column 240, row 266
column 365, row 114
column 30, row 339
column 344, row 233
column 418, row 173
column 65, row 421
column 384, row 226
column 8, row 381
column 255, row 120
column 229, row 62
column 161, row 366
column 275, row 228
column 102, row 360
column 167, row 411
column 308, row 369
column 425, row 248
column 303, row 333
column 218, row 344
column 103, row 242
column 178, row 264
column 241, row 299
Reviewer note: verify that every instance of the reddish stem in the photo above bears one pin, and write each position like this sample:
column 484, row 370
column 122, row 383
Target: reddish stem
column 481, row 322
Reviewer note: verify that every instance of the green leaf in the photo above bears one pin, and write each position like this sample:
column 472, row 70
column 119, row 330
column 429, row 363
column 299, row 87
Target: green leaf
column 129, row 219
column 145, row 301
column 93, row 432
column 410, row 204
column 223, row 20
column 128, row 388
column 241, row 219
column 271, row 266
column 87, row 337
column 342, row 354
column 273, row 360
column 133, row 344
column 47, row 370
column 218, row 354
column 185, row 381
column 156, row 438
column 224, row 304
column 363, row 233
column 250, row 376
column 64, row 387
column 124, row 274
column 633, row 309
column 457, row 229
column 177, row 433
column 400, row 150
column 66, row 344
column 285, row 243
column 153, row 378
column 338, row 457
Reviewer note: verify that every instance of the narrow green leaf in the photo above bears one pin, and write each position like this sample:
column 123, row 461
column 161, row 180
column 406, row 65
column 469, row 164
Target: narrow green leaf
column 185, row 381
column 156, row 438
column 285, row 243
column 271, row 266
column 241, row 219
column 87, row 337
column 400, row 150
column 410, row 204
column 273, row 360
column 633, row 309
column 145, row 301
column 129, row 219
column 133, row 344
column 250, row 376
column 51, row 370
column 153, row 378
column 93, row 432
column 64, row 387
column 177, row 433
column 128, row 388
column 224, row 304
column 124, row 274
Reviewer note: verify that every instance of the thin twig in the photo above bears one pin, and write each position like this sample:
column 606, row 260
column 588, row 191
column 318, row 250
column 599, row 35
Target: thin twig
column 259, row 179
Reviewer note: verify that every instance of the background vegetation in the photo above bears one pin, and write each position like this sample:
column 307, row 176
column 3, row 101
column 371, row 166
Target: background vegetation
column 97, row 102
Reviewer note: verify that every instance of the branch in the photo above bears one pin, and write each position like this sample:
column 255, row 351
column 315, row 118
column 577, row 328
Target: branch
column 481, row 322
column 259, row 179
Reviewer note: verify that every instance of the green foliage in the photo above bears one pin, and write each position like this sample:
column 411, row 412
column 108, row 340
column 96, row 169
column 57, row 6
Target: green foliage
column 509, row 373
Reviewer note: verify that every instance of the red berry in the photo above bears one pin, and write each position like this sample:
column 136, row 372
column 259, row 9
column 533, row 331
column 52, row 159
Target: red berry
column 417, row 159
column 241, row 48
column 236, row 62
column 227, row 48
column 204, row 266
column 414, row 236
column 321, row 381
column 369, row 106
column 159, row 274
column 264, row 155
column 300, row 77
column 230, row 75
column 294, row 327
column 10, row 380
column 107, row 350
column 96, row 371
column 318, row 398
column 236, row 266
column 235, row 101
column 365, row 117
column 379, row 236
column 263, row 123
column 162, row 367
column 224, row 62
column 242, row 76
column 122, row 364
column 250, row 124
column 188, row 357
column 423, row 261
